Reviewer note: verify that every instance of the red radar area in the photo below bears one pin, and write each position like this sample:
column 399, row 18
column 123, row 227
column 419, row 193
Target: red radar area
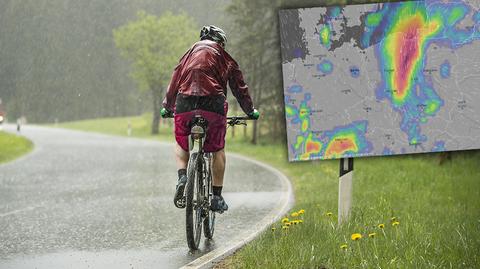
column 340, row 146
column 404, row 49
column 408, row 48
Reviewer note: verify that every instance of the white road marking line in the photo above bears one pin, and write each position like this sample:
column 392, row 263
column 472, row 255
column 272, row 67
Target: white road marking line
column 19, row 211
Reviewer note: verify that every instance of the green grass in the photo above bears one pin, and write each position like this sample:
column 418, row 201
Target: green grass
column 437, row 206
column 141, row 126
column 13, row 146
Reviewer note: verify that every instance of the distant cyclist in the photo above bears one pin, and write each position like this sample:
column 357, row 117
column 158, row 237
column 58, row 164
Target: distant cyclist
column 199, row 87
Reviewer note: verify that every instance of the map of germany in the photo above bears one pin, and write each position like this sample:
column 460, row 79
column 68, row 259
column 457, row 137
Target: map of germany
column 381, row 79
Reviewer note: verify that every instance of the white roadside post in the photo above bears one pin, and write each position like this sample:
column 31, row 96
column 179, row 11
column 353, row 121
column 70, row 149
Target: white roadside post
column 129, row 128
column 345, row 188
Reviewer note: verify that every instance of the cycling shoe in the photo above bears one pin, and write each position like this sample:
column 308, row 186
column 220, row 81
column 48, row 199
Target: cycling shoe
column 218, row 204
column 179, row 199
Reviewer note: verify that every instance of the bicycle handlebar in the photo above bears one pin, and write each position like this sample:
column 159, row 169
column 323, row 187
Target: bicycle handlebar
column 231, row 120
column 238, row 120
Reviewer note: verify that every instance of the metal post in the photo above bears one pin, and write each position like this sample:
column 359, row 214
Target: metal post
column 345, row 188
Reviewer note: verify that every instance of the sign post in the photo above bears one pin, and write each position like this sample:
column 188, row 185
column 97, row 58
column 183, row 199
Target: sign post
column 345, row 188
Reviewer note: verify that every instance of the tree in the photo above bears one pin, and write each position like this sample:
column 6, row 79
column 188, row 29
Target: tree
column 154, row 45
column 256, row 28
column 256, row 43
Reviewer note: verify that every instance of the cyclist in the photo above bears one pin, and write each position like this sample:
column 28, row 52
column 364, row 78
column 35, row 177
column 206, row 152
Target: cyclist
column 198, row 87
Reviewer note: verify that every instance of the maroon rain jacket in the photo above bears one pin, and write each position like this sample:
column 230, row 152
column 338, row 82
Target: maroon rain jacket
column 204, row 70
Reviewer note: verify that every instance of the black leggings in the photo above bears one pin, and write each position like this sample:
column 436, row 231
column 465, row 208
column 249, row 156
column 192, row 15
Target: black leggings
column 185, row 103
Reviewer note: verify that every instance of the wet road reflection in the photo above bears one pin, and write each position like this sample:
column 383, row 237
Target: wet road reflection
column 84, row 200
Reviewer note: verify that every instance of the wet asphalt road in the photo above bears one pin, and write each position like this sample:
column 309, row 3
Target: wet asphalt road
column 83, row 200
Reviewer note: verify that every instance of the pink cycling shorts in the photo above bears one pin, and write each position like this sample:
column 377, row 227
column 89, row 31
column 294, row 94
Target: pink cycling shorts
column 216, row 129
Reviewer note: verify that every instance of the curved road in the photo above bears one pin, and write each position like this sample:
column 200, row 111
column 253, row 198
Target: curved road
column 84, row 200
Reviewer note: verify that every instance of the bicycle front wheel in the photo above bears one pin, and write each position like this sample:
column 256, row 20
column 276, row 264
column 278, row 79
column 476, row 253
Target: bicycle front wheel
column 194, row 201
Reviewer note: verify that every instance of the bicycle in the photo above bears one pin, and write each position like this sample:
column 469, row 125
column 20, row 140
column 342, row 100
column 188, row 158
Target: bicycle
column 198, row 191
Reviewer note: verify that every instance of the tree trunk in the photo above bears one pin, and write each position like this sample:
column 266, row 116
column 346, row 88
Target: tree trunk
column 255, row 101
column 235, row 105
column 274, row 127
column 259, row 84
column 156, row 96
column 255, row 132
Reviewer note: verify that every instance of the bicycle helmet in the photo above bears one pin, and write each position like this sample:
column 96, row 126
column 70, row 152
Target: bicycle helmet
column 214, row 33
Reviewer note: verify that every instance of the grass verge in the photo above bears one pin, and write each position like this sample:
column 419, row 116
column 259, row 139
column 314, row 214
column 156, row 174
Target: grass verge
column 430, row 213
column 140, row 126
column 13, row 146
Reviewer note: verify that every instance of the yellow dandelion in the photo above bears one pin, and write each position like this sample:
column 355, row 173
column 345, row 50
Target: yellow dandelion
column 372, row 235
column 295, row 222
column 301, row 211
column 285, row 220
column 381, row 225
column 284, row 227
column 287, row 223
column 300, row 221
column 395, row 223
column 393, row 219
column 344, row 247
column 294, row 214
column 273, row 229
column 329, row 214
column 356, row 236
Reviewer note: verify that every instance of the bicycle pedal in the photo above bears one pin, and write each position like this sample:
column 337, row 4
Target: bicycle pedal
column 181, row 203
column 205, row 213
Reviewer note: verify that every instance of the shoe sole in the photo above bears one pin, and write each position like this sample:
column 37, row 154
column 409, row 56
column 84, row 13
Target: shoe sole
column 179, row 199
column 219, row 211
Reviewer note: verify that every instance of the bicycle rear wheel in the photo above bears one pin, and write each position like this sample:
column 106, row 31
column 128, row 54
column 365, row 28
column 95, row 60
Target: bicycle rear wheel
column 194, row 200
column 209, row 220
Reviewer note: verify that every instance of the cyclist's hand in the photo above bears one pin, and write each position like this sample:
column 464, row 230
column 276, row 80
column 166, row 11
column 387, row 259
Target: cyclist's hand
column 254, row 114
column 166, row 113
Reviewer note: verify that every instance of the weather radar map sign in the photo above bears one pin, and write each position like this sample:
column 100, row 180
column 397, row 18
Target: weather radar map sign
column 381, row 79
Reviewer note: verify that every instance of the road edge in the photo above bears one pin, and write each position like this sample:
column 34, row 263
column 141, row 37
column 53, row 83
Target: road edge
column 211, row 258
column 286, row 202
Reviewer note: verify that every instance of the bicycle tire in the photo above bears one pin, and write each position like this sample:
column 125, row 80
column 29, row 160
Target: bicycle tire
column 209, row 220
column 193, row 215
